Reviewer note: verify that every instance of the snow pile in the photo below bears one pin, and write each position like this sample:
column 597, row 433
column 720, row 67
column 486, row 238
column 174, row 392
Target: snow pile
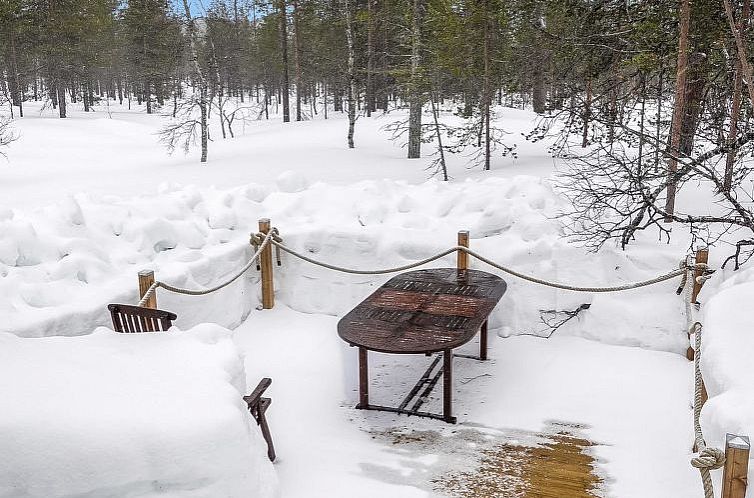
column 513, row 221
column 61, row 266
column 138, row 415
column 727, row 351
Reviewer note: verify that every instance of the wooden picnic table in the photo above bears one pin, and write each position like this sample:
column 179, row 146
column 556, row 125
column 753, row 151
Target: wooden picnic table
column 423, row 312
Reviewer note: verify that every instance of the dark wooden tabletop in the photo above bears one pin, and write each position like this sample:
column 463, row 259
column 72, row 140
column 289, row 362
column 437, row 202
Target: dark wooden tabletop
column 423, row 311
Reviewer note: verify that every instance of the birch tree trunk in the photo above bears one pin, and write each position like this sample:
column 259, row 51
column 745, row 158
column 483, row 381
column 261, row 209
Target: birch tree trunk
column 351, row 77
column 202, row 81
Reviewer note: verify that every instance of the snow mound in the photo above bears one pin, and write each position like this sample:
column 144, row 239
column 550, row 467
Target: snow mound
column 727, row 349
column 291, row 182
column 138, row 415
column 61, row 266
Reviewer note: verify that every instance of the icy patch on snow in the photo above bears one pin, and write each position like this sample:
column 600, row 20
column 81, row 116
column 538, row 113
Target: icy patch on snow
column 114, row 415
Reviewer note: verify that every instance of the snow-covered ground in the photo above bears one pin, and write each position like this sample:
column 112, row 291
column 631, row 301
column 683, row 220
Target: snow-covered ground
column 117, row 152
column 114, row 415
column 631, row 402
column 89, row 201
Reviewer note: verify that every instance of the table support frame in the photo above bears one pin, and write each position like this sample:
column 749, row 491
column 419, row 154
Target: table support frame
column 428, row 379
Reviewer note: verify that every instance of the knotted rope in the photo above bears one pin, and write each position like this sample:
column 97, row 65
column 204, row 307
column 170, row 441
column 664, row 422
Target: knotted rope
column 706, row 459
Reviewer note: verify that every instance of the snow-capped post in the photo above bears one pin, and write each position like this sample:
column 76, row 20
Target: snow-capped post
column 463, row 258
column 146, row 280
column 736, row 466
column 702, row 256
column 265, row 261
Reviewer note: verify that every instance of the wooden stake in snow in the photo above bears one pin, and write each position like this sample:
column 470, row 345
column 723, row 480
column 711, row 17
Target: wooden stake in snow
column 146, row 280
column 265, row 262
column 463, row 258
column 736, row 466
column 702, row 256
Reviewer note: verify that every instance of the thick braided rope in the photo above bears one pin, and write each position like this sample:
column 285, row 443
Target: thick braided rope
column 529, row 278
column 706, row 459
column 257, row 241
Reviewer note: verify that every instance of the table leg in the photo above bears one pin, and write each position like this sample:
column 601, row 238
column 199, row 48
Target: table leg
column 483, row 341
column 447, row 387
column 363, row 379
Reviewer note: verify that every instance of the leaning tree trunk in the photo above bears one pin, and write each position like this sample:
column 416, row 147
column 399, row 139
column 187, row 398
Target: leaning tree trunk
column 415, row 106
column 438, row 136
column 739, row 32
column 743, row 53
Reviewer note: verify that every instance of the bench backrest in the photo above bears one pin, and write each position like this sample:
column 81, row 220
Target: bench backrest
column 127, row 318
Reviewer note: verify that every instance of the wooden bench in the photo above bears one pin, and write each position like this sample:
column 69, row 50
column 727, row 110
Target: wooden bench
column 132, row 319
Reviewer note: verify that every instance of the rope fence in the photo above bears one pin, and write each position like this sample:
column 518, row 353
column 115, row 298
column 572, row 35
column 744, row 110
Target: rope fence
column 617, row 288
column 694, row 271
column 262, row 241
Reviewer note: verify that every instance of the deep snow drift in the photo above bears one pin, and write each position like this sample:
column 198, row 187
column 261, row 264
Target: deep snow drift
column 62, row 266
column 727, row 349
column 137, row 415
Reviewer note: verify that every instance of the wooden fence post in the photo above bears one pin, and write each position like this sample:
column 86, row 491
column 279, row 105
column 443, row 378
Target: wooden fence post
column 463, row 258
column 265, row 262
column 736, row 466
column 146, row 279
column 702, row 256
